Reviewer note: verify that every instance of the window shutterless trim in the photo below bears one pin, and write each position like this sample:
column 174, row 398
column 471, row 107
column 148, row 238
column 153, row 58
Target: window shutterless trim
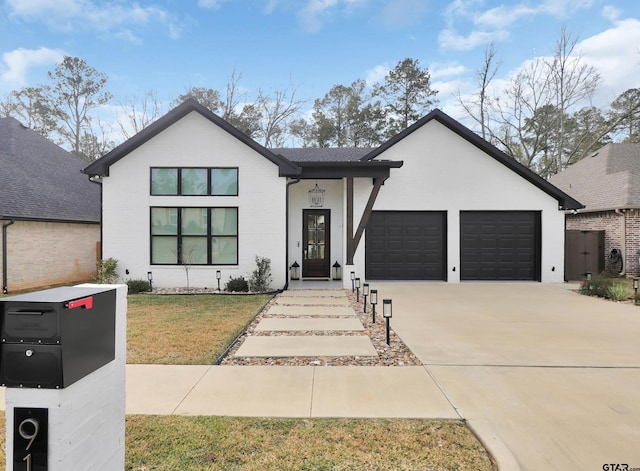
column 209, row 236
column 209, row 191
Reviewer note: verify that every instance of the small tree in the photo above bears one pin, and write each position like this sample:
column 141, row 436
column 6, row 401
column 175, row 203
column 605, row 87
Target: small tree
column 107, row 271
column 261, row 276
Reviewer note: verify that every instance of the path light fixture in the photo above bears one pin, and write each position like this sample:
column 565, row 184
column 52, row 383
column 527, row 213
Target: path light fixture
column 295, row 271
column 365, row 294
column 337, row 271
column 635, row 290
column 150, row 278
column 353, row 281
column 374, row 301
column 218, row 276
column 387, row 313
column 588, row 276
column 357, row 290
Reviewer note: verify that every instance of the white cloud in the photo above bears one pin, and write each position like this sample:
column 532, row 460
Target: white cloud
column 69, row 15
column 376, row 74
column 611, row 13
column 20, row 61
column 446, row 69
column 504, row 16
column 616, row 54
column 450, row 40
column 315, row 13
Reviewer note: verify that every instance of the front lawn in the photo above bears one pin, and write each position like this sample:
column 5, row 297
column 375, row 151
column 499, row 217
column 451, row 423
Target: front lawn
column 186, row 329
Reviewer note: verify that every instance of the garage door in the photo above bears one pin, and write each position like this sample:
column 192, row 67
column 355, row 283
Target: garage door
column 406, row 245
column 500, row 245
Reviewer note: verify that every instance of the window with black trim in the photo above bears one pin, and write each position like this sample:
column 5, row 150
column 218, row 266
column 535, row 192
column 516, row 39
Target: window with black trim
column 194, row 236
column 194, row 181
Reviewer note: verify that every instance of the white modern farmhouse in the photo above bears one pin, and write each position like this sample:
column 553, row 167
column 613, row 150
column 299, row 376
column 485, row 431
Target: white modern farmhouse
column 436, row 202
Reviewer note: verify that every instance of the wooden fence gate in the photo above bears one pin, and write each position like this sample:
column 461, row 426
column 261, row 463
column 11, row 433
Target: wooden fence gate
column 584, row 253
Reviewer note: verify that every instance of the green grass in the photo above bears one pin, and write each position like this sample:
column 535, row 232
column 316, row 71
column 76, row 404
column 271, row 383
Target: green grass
column 224, row 443
column 186, row 329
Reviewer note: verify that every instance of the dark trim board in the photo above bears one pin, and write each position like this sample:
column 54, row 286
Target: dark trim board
column 500, row 245
column 406, row 245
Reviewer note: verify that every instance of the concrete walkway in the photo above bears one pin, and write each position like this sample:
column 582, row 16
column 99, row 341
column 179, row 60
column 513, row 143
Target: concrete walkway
column 293, row 391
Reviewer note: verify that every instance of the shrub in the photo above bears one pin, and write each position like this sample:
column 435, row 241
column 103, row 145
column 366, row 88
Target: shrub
column 237, row 284
column 261, row 276
column 597, row 286
column 107, row 271
column 138, row 286
column 618, row 292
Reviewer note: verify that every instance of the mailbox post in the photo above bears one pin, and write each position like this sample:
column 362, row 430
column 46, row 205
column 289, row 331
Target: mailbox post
column 62, row 359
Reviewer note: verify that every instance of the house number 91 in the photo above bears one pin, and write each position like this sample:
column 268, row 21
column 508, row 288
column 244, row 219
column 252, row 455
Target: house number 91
column 28, row 429
column 30, row 439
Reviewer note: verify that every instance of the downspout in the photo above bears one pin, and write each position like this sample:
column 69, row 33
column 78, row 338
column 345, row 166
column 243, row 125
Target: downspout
column 624, row 241
column 286, row 261
column 5, row 289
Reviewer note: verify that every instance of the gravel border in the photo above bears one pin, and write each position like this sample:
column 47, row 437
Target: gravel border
column 397, row 354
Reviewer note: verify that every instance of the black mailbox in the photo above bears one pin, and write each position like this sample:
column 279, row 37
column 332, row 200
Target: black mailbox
column 53, row 338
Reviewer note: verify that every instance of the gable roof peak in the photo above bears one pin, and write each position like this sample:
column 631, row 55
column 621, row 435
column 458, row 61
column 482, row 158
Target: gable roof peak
column 101, row 166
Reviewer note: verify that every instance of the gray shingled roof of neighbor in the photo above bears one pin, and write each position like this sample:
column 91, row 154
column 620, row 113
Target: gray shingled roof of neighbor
column 605, row 180
column 41, row 181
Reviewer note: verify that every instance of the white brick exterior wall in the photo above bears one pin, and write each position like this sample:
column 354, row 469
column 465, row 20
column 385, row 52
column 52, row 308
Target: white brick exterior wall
column 42, row 254
column 194, row 141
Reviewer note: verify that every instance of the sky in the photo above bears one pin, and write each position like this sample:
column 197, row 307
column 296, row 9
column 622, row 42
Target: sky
column 167, row 46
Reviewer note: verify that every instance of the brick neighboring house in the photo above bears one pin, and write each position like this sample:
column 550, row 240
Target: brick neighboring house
column 608, row 184
column 49, row 212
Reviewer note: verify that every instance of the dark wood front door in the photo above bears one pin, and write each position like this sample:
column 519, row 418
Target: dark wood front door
column 316, row 230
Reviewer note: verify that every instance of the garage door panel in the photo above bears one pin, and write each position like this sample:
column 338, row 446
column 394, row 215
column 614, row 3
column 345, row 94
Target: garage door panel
column 411, row 245
column 500, row 245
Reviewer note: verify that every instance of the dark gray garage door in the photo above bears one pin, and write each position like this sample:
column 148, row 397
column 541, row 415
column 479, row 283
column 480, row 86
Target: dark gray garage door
column 406, row 245
column 500, row 245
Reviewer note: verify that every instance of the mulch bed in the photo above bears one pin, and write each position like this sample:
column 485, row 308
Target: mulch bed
column 395, row 354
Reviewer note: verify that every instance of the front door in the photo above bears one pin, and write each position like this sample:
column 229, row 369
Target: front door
column 316, row 235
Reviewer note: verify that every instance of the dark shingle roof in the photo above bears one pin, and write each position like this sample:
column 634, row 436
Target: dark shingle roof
column 607, row 179
column 41, row 181
column 324, row 154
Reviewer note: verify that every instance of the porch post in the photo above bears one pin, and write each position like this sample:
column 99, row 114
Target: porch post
column 350, row 245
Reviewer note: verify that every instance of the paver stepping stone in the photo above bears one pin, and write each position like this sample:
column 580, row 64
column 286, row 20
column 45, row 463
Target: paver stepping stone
column 309, row 323
column 306, row 346
column 325, row 311
column 306, row 301
column 312, row 293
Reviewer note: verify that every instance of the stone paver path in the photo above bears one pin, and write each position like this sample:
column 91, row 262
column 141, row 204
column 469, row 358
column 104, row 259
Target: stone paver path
column 308, row 323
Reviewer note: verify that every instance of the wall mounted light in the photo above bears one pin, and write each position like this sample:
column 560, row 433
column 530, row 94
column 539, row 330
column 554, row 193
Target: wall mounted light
column 295, row 271
column 337, row 271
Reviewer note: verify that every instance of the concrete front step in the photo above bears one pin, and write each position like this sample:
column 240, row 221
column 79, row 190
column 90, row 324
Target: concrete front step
column 306, row 346
column 326, row 311
column 309, row 323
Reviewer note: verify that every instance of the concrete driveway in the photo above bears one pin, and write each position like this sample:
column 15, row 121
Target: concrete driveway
column 547, row 378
